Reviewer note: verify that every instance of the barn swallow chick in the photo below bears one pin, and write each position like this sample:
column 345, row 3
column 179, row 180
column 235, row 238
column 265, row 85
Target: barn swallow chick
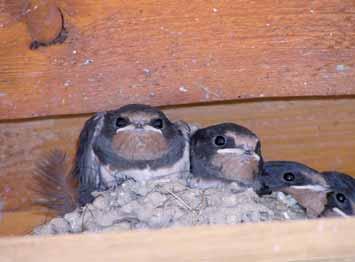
column 224, row 153
column 305, row 184
column 134, row 142
column 341, row 198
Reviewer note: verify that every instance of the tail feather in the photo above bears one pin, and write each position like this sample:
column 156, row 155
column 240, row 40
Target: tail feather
column 56, row 190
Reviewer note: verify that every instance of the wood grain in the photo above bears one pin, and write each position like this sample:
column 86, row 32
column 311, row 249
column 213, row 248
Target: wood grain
column 21, row 222
column 175, row 52
column 317, row 132
column 316, row 240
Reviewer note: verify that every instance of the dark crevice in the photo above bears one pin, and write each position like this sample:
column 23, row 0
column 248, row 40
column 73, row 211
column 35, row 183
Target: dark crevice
column 190, row 105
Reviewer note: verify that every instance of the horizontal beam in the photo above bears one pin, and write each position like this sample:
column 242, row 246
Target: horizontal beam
column 315, row 240
column 173, row 52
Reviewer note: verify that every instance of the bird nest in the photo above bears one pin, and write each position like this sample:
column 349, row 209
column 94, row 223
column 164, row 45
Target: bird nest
column 170, row 202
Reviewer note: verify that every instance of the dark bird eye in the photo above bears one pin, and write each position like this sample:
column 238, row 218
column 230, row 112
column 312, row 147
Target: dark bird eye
column 340, row 197
column 220, row 141
column 289, row 177
column 157, row 123
column 121, row 122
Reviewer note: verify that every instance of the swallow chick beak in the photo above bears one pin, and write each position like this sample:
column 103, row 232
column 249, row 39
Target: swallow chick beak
column 313, row 188
column 239, row 151
column 261, row 188
column 138, row 127
column 339, row 212
column 333, row 212
column 150, row 129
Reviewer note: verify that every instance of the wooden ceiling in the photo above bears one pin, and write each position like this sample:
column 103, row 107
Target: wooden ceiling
column 170, row 52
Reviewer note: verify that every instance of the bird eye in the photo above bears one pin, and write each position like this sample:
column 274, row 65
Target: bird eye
column 121, row 122
column 289, row 177
column 219, row 141
column 340, row 197
column 157, row 123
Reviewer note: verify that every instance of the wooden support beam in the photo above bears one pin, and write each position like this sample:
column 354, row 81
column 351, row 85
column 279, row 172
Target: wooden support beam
column 175, row 52
column 316, row 241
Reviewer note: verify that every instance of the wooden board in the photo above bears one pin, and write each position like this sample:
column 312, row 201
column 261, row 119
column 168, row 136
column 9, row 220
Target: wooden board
column 21, row 222
column 317, row 132
column 316, row 241
column 173, row 52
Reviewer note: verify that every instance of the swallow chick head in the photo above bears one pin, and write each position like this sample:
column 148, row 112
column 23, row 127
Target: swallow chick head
column 305, row 184
column 139, row 132
column 137, row 137
column 133, row 142
column 226, row 152
column 341, row 198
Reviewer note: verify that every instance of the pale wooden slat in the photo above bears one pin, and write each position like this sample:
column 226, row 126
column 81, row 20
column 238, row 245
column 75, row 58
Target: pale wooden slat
column 317, row 240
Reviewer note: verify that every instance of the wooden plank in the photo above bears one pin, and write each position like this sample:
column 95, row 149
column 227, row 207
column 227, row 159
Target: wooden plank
column 175, row 52
column 317, row 240
column 317, row 132
column 21, row 222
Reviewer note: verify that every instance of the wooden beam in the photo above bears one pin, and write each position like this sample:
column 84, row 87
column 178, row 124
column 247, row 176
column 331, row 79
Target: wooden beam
column 174, row 52
column 316, row 240
column 21, row 222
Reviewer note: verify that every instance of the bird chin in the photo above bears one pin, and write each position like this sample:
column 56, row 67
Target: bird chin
column 237, row 151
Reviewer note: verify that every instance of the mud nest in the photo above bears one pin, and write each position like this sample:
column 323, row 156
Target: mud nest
column 169, row 203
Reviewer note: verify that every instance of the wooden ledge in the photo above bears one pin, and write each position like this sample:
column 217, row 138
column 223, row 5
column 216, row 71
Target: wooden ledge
column 312, row 240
